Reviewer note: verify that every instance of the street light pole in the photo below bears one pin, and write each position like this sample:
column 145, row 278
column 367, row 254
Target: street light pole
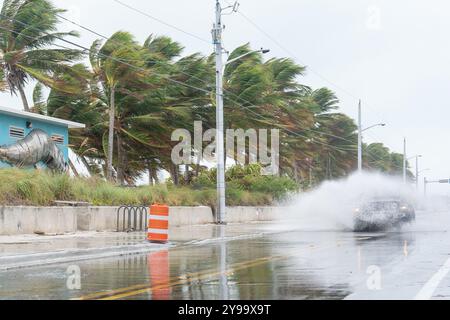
column 417, row 173
column 425, row 185
column 360, row 136
column 404, row 160
column 360, row 160
column 220, row 148
column 220, row 131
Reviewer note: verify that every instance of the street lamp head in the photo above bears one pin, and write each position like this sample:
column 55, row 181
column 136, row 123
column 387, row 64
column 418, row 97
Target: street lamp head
column 264, row 51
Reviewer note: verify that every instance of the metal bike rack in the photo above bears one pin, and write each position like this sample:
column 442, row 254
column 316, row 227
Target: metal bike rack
column 132, row 218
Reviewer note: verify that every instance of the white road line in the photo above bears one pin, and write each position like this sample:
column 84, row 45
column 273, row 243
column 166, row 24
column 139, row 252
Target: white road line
column 430, row 287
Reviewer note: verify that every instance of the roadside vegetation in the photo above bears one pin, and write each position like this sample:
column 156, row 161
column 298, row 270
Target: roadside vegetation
column 40, row 188
column 131, row 109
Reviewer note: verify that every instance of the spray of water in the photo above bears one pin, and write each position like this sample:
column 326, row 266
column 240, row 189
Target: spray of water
column 331, row 206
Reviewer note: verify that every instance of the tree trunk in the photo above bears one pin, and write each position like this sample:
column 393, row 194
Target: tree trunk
column 74, row 169
column 150, row 173
column 155, row 176
column 296, row 176
column 87, row 165
column 120, row 161
column 23, row 96
column 112, row 115
column 197, row 167
column 186, row 174
column 174, row 173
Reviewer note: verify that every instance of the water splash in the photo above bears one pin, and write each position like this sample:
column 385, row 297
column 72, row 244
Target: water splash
column 331, row 205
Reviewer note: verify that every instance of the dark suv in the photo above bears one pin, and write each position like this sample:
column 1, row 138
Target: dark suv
column 382, row 214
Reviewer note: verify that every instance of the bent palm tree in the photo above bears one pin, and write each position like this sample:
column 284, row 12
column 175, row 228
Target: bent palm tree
column 27, row 29
column 119, row 62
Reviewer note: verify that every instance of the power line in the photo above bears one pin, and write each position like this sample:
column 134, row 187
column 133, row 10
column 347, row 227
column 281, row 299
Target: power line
column 194, row 77
column 140, row 60
column 210, row 92
column 293, row 55
column 81, row 26
column 104, row 56
column 290, row 53
column 164, row 76
column 295, row 133
column 160, row 21
column 226, row 91
column 274, row 40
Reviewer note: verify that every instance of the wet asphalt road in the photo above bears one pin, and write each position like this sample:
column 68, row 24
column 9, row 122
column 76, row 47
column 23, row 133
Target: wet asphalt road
column 300, row 264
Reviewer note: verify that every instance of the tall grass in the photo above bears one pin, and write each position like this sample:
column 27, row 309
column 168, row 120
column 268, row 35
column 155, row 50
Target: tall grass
column 39, row 188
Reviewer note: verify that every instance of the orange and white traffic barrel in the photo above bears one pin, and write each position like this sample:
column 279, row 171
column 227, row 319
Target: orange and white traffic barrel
column 158, row 226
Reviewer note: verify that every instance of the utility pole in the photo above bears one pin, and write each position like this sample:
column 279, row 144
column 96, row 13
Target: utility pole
column 360, row 136
column 220, row 147
column 425, row 182
column 360, row 159
column 405, row 161
column 417, row 173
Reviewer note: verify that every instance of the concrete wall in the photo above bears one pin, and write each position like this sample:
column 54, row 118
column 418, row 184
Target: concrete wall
column 60, row 220
column 29, row 220
column 246, row 214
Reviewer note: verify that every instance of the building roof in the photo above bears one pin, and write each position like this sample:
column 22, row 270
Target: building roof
column 39, row 117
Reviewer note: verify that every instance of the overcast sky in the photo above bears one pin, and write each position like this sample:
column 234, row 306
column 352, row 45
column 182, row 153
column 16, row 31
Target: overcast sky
column 394, row 55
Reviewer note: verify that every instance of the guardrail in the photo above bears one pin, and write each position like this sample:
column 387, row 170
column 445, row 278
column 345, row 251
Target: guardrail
column 132, row 218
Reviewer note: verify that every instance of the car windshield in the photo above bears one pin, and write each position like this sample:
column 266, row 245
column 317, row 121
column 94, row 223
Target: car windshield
column 383, row 205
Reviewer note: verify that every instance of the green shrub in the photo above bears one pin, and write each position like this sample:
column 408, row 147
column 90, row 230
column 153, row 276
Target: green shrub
column 249, row 178
column 245, row 187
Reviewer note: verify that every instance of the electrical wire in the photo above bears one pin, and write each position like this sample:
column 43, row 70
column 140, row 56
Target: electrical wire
column 269, row 37
column 166, row 77
column 291, row 54
column 160, row 21
column 194, row 77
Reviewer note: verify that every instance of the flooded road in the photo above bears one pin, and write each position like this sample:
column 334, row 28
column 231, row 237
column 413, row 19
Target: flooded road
column 288, row 265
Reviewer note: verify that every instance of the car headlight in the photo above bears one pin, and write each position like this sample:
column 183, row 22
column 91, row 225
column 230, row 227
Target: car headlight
column 356, row 211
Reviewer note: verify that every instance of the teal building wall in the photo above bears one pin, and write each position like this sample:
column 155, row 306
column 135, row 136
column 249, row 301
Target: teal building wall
column 6, row 121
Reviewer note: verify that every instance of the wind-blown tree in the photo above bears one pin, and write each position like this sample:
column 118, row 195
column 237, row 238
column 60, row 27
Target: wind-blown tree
column 338, row 152
column 285, row 107
column 268, row 95
column 258, row 94
column 193, row 71
column 149, row 108
column 87, row 106
column 116, row 64
column 378, row 157
column 139, row 94
column 27, row 34
column 147, row 118
column 245, row 82
column 339, row 156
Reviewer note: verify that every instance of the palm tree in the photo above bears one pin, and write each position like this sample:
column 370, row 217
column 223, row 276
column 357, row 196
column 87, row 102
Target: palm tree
column 85, row 105
column 116, row 64
column 27, row 30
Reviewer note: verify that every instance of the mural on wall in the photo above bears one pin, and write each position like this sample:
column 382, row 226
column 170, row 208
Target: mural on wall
column 36, row 147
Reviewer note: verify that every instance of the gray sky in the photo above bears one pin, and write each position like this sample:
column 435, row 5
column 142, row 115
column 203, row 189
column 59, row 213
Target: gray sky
column 394, row 55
